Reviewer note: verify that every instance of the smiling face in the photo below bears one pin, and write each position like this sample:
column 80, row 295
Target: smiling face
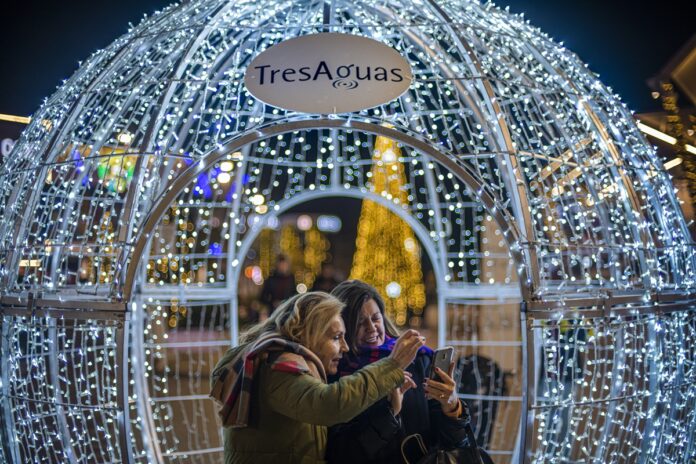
column 332, row 345
column 370, row 325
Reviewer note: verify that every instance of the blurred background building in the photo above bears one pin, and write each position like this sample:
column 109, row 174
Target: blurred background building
column 673, row 127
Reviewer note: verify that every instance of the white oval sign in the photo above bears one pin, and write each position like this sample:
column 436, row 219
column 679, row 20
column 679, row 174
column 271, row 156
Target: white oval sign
column 328, row 73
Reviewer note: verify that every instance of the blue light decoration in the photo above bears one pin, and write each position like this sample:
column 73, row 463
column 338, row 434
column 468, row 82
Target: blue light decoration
column 215, row 249
column 564, row 269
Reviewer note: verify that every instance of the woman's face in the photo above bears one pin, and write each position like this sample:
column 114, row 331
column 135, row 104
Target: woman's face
column 370, row 325
column 332, row 345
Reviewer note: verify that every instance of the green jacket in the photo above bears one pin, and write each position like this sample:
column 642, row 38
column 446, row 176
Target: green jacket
column 289, row 413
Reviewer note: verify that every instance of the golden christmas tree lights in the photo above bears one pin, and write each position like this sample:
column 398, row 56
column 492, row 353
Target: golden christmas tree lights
column 387, row 253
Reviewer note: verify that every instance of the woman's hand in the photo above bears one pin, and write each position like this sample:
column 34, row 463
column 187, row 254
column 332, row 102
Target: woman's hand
column 406, row 347
column 396, row 396
column 444, row 391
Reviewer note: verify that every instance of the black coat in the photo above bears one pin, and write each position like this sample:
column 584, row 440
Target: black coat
column 375, row 436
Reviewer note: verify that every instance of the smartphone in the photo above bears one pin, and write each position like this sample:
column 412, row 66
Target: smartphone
column 442, row 358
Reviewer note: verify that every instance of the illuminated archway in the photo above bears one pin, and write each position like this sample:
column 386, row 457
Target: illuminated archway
column 153, row 301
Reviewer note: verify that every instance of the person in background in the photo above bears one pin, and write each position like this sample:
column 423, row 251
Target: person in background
column 279, row 286
column 326, row 280
column 275, row 402
column 430, row 408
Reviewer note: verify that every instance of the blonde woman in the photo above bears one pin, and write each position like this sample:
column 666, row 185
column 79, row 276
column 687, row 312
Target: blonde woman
column 275, row 402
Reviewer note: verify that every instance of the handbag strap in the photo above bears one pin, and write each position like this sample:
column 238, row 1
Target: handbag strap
column 473, row 444
column 471, row 437
column 419, row 440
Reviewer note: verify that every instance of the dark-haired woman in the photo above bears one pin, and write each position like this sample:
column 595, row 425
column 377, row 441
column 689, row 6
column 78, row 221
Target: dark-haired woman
column 275, row 402
column 429, row 408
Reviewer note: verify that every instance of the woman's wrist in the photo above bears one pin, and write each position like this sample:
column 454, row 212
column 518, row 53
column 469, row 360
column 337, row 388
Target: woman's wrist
column 454, row 410
column 396, row 417
column 393, row 411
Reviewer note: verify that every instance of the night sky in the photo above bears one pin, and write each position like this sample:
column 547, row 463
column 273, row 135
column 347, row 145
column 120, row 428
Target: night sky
column 625, row 42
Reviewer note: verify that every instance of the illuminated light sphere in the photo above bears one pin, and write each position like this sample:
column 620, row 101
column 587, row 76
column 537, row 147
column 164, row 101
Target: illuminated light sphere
column 393, row 290
column 257, row 200
column 119, row 291
column 125, row 138
column 388, row 156
column 328, row 223
column 249, row 271
column 256, row 275
column 304, row 222
column 272, row 223
column 224, row 178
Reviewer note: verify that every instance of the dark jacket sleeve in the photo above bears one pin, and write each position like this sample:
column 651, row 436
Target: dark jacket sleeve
column 449, row 432
column 362, row 438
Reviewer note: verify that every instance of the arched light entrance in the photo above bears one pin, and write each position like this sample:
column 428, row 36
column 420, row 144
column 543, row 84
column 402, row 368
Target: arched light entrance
column 339, row 192
column 445, row 202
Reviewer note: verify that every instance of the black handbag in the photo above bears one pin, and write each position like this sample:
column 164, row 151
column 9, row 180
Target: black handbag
column 471, row 454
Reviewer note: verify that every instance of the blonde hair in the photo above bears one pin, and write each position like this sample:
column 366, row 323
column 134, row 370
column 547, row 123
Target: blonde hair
column 303, row 319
